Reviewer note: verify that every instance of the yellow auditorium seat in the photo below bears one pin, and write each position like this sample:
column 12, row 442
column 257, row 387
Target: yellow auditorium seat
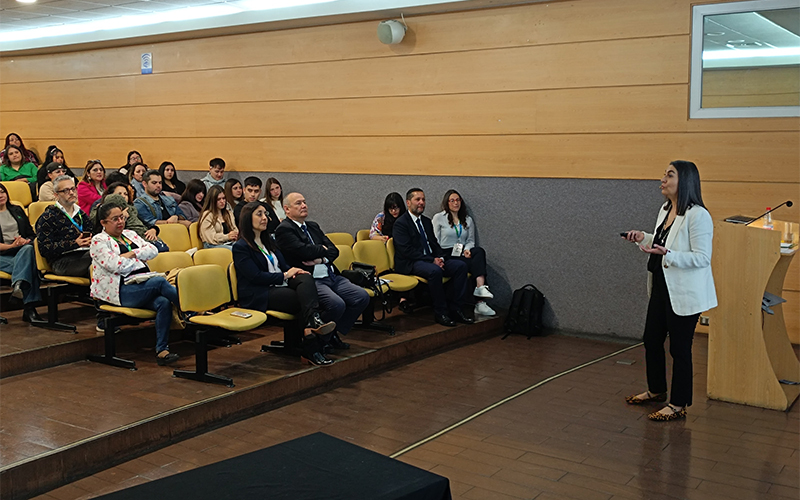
column 219, row 256
column 167, row 261
column 345, row 261
column 36, row 209
column 176, row 236
column 362, row 235
column 194, row 236
column 341, row 238
column 73, row 286
column 202, row 289
column 19, row 192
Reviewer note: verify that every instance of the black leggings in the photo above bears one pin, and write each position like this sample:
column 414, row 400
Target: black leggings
column 661, row 320
column 300, row 296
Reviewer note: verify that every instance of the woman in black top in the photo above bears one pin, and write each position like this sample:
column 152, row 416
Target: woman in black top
column 169, row 179
column 17, row 257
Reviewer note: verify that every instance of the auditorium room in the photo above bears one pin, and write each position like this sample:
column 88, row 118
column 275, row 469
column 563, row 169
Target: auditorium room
column 399, row 249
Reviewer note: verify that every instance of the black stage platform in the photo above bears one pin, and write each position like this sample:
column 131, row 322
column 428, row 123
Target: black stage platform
column 316, row 467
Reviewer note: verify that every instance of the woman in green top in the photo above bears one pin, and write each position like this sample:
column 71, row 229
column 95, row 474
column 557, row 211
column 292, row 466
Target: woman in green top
column 15, row 169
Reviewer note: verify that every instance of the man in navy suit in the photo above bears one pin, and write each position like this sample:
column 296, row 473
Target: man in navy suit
column 304, row 245
column 417, row 252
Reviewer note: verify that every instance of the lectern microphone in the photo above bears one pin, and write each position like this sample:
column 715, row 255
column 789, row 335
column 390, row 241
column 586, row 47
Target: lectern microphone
column 788, row 203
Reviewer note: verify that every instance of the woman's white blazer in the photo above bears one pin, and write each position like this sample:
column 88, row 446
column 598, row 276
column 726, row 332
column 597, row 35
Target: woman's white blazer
column 687, row 264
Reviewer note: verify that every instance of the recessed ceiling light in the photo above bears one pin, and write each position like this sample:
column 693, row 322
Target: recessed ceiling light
column 26, row 1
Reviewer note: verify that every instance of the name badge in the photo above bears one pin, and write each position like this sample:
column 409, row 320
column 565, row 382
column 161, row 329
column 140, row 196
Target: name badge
column 458, row 249
column 320, row 271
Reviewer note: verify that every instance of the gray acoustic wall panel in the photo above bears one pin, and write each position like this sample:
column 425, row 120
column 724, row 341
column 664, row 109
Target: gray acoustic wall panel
column 562, row 235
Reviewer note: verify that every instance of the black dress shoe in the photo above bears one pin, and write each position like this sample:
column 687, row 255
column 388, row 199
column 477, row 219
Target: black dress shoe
column 29, row 315
column 337, row 343
column 462, row 318
column 319, row 327
column 317, row 359
column 445, row 320
column 167, row 360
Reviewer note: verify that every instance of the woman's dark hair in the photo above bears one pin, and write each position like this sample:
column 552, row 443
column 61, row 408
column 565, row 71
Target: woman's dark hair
column 3, row 188
column 89, row 165
column 163, row 167
column 25, row 152
column 688, row 187
column 132, row 169
column 131, row 153
column 229, row 191
column 246, row 231
column 118, row 178
column 392, row 200
column 7, row 161
column 462, row 212
column 193, row 187
column 270, row 182
column 103, row 210
column 51, row 154
column 110, row 190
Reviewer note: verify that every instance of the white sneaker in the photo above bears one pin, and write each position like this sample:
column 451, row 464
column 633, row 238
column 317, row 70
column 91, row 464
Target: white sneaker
column 483, row 292
column 483, row 309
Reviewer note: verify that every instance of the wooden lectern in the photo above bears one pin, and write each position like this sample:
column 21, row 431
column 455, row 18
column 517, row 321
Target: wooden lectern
column 749, row 350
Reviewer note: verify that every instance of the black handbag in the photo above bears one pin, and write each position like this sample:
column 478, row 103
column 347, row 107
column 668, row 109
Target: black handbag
column 365, row 276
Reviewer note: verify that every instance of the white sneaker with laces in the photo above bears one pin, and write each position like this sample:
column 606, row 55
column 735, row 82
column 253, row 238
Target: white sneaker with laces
column 483, row 292
column 483, row 309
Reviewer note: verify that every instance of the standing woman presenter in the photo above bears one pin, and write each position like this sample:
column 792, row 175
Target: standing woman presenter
column 681, row 287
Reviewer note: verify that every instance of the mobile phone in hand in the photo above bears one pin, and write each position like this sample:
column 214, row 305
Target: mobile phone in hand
column 86, row 234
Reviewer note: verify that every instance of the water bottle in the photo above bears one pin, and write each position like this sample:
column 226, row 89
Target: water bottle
column 768, row 220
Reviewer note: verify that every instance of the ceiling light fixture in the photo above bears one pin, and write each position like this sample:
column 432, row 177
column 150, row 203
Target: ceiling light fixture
column 26, row 1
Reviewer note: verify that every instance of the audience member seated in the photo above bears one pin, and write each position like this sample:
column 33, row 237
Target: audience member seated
column 121, row 195
column 64, row 232
column 216, row 173
column 192, row 200
column 15, row 140
column 54, row 170
column 252, row 191
column 169, row 179
column 92, row 186
column 305, row 245
column 135, row 176
column 14, row 168
column 118, row 255
column 234, row 193
column 156, row 208
column 275, row 197
column 455, row 231
column 17, row 256
column 267, row 282
column 53, row 155
column 393, row 207
column 217, row 228
column 133, row 158
column 418, row 253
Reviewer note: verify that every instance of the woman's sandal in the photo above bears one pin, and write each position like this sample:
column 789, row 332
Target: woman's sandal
column 666, row 417
column 637, row 400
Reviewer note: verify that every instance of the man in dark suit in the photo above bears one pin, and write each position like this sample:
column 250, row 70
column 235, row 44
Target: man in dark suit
column 418, row 253
column 304, row 245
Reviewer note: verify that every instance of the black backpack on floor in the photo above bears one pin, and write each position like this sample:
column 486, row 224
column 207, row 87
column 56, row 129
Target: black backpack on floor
column 525, row 314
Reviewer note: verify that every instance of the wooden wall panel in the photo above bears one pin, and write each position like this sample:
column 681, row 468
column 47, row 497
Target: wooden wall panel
column 555, row 23
column 724, row 199
column 791, row 315
column 636, row 109
column 625, row 62
column 601, row 156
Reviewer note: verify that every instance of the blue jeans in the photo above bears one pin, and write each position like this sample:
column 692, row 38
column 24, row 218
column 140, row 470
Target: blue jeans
column 156, row 294
column 22, row 267
column 228, row 245
column 341, row 301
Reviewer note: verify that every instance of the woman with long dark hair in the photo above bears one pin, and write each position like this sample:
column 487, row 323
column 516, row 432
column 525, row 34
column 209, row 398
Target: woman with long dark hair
column 54, row 155
column 217, row 228
column 17, row 257
column 455, row 231
column 133, row 158
column 169, row 178
column 234, row 193
column 15, row 140
column 15, row 168
column 681, row 287
column 135, row 178
column 265, row 281
column 275, row 197
column 192, row 200
column 393, row 207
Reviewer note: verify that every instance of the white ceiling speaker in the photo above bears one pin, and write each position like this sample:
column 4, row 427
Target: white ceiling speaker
column 391, row 32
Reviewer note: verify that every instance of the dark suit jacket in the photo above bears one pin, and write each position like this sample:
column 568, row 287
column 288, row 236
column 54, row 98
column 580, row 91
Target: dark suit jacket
column 272, row 225
column 296, row 246
column 254, row 277
column 408, row 243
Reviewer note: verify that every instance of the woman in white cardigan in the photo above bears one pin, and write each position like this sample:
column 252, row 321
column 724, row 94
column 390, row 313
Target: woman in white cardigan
column 118, row 253
column 681, row 287
column 217, row 227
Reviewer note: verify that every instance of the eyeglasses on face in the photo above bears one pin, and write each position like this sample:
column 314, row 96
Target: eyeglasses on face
column 68, row 190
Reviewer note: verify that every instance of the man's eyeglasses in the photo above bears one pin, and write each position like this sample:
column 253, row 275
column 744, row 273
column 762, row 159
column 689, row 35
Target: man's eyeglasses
column 68, row 190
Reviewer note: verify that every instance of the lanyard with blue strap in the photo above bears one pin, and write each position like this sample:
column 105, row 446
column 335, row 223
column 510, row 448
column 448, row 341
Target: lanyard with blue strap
column 80, row 217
